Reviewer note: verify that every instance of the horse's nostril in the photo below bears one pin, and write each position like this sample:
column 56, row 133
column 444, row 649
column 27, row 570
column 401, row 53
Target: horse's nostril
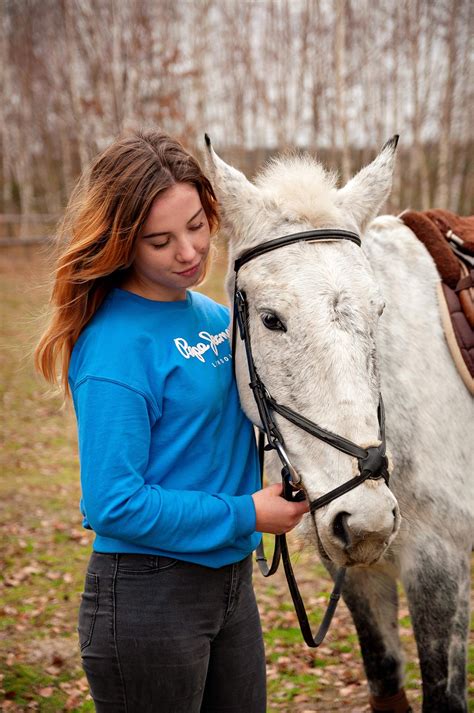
column 339, row 528
column 395, row 519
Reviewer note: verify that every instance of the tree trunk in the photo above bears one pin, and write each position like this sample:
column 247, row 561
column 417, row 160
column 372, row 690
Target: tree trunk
column 340, row 52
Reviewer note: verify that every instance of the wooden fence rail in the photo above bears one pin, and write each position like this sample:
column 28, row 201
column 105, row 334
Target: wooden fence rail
column 18, row 242
column 28, row 218
column 26, row 229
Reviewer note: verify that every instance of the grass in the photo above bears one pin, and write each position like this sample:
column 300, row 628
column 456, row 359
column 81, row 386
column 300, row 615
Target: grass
column 46, row 550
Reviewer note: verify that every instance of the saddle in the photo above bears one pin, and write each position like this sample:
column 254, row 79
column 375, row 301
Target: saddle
column 449, row 239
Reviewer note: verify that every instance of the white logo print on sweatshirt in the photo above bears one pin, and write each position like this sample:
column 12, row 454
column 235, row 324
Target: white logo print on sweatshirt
column 210, row 341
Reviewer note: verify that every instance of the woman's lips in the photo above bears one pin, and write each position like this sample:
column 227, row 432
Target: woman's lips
column 192, row 271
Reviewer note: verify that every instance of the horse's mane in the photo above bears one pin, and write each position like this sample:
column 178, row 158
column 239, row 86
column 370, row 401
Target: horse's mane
column 301, row 187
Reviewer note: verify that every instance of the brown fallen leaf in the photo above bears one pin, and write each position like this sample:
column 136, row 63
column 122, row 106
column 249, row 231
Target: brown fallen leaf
column 46, row 692
column 53, row 670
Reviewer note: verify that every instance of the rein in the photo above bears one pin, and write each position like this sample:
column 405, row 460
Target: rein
column 372, row 462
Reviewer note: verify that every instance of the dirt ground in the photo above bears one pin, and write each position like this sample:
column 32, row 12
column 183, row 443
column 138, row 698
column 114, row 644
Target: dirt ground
column 45, row 550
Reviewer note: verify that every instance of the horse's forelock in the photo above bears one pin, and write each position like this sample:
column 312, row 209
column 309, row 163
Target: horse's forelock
column 301, row 188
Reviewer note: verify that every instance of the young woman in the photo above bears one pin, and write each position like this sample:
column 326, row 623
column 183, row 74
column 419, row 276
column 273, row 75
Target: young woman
column 170, row 485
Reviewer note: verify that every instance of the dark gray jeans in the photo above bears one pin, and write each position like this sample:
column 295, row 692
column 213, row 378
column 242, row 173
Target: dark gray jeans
column 160, row 635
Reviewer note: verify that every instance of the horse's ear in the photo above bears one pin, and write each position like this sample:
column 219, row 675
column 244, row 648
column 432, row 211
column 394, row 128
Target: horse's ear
column 239, row 200
column 365, row 193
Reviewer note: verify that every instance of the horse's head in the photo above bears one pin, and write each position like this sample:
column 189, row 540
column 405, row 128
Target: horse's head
column 313, row 313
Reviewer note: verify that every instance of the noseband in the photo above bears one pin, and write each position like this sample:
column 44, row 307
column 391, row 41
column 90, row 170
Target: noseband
column 372, row 462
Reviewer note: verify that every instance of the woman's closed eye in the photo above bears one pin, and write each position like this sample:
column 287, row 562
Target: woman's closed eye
column 193, row 228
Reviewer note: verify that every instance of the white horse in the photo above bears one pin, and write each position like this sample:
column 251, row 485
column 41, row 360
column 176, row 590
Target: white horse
column 326, row 356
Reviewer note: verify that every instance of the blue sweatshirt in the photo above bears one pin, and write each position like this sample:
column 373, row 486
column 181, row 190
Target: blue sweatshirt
column 168, row 459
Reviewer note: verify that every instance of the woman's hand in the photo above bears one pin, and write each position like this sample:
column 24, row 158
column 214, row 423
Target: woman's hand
column 275, row 514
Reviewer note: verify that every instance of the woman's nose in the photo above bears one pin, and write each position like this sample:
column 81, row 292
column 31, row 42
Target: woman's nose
column 186, row 250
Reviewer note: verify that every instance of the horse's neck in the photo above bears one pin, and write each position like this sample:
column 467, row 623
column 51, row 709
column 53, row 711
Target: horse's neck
column 403, row 268
column 410, row 333
column 420, row 383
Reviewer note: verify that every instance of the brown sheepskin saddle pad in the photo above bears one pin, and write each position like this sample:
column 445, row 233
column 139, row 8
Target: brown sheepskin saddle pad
column 449, row 238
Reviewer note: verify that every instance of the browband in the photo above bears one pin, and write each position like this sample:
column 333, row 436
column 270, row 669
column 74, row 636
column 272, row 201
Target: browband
column 308, row 236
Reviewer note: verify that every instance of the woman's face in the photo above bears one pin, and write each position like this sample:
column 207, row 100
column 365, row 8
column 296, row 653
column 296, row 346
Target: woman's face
column 172, row 247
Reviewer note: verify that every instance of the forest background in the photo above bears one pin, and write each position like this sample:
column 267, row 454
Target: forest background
column 334, row 77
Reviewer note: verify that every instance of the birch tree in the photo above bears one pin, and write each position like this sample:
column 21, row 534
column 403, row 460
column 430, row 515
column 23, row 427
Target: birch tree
column 335, row 77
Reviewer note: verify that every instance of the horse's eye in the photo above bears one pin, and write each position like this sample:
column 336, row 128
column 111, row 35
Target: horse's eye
column 272, row 322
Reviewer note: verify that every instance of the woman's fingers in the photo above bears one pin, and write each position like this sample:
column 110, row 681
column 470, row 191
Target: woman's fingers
column 274, row 514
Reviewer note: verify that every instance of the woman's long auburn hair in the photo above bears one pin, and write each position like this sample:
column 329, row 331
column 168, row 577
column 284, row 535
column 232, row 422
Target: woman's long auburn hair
column 97, row 235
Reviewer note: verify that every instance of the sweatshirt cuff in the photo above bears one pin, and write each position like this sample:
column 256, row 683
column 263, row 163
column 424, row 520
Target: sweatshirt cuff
column 245, row 516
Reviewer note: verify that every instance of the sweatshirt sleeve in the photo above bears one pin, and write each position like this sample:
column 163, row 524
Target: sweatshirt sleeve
column 114, row 428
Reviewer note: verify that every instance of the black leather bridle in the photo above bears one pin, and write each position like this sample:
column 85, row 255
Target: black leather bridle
column 372, row 461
